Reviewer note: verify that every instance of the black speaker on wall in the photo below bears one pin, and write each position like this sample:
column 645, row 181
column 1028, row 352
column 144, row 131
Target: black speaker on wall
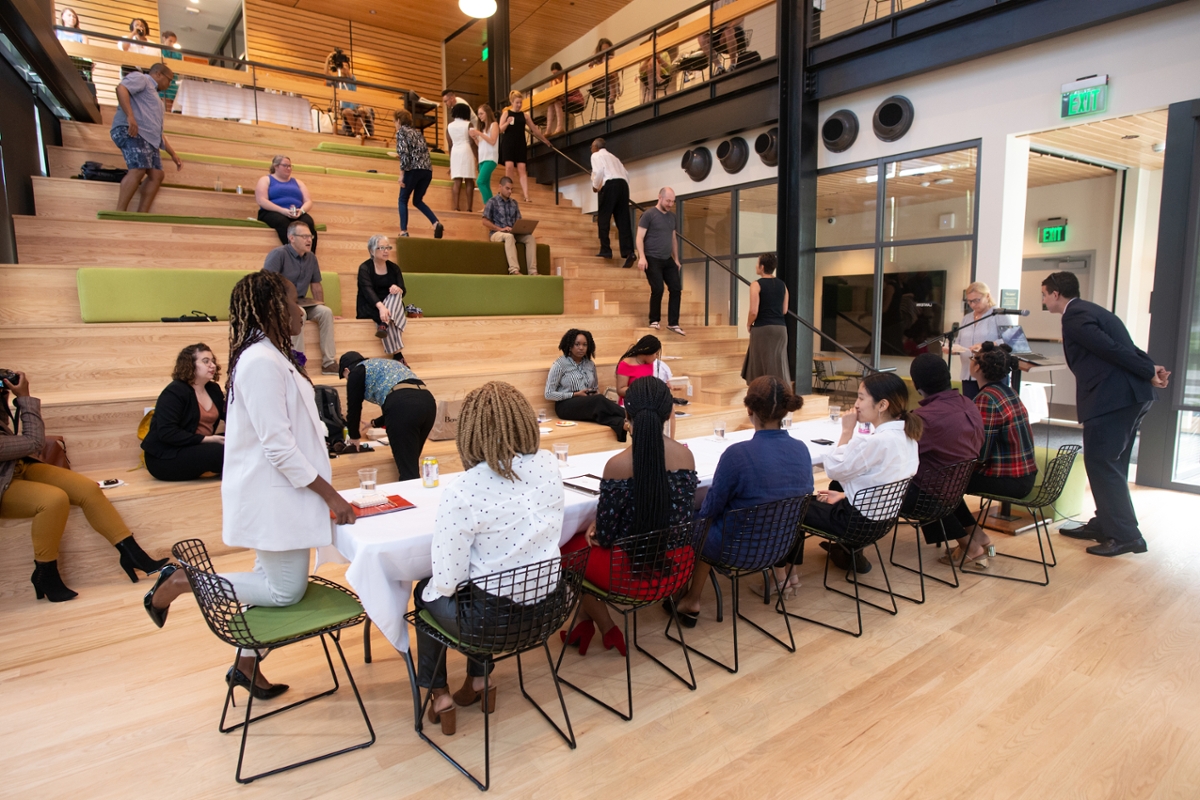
column 840, row 131
column 893, row 118
column 697, row 163
column 767, row 147
column 733, row 154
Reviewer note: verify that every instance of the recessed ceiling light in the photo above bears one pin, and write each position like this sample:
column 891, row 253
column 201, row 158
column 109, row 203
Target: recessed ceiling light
column 373, row 11
column 191, row 10
column 194, row 2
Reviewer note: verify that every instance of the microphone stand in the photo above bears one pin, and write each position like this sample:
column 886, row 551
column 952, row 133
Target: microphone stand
column 953, row 332
column 867, row 368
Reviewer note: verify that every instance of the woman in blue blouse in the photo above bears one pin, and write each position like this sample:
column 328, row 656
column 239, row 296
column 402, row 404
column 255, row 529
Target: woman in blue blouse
column 771, row 466
column 409, row 409
column 647, row 487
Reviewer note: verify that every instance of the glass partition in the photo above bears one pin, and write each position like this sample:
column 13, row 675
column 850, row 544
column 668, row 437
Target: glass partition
column 930, row 196
column 846, row 203
column 831, row 17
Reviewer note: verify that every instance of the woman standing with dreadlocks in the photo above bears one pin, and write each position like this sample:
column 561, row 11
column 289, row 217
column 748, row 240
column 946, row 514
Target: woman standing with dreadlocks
column 275, row 491
column 647, row 487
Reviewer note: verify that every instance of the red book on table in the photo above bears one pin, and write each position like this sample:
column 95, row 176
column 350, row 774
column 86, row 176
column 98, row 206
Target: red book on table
column 395, row 503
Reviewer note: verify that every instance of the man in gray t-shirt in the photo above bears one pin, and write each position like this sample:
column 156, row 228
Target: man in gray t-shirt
column 137, row 129
column 658, row 257
column 298, row 263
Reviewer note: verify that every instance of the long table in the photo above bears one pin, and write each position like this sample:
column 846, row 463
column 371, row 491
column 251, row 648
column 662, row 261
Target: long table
column 222, row 101
column 389, row 552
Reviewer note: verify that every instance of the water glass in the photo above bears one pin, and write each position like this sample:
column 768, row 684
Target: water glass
column 560, row 452
column 786, row 422
column 835, row 413
column 542, row 416
column 719, row 429
column 366, row 479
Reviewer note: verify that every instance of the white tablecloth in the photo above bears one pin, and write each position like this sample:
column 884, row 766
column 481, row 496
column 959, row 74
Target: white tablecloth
column 389, row 552
column 222, row 101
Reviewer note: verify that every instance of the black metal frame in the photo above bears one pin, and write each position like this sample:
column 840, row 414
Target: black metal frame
column 878, row 501
column 1058, row 470
column 943, row 490
column 493, row 628
column 752, row 541
column 653, row 552
column 223, row 612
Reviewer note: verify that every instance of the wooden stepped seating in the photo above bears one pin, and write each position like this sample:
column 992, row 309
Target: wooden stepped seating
column 186, row 219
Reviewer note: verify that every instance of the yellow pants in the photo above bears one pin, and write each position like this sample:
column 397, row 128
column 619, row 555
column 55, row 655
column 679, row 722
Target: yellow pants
column 46, row 494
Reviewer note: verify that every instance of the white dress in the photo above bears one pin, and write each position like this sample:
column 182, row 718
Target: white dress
column 462, row 160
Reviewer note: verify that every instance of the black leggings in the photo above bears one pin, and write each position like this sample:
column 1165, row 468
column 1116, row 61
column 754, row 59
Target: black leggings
column 408, row 417
column 593, row 408
column 280, row 223
column 189, row 463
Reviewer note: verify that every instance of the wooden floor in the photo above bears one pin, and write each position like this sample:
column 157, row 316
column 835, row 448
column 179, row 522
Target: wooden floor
column 1087, row 688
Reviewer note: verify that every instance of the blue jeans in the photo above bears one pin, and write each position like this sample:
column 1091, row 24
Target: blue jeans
column 416, row 182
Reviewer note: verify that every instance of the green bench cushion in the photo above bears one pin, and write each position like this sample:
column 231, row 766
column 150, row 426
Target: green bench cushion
column 118, row 294
column 321, row 607
column 347, row 149
column 185, row 219
column 449, row 295
column 422, row 254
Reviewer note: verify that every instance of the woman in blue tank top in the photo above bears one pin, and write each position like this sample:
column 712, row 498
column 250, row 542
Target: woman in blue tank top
column 283, row 200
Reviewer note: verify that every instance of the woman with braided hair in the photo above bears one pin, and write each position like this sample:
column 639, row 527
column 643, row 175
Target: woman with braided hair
column 573, row 386
column 771, row 466
column 275, row 493
column 649, row 486
column 637, row 362
column 504, row 512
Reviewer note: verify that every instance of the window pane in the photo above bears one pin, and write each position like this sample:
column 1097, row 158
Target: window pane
column 1191, row 381
column 1187, row 449
column 922, row 287
column 846, row 204
column 708, row 221
column 930, row 196
column 757, row 214
column 845, row 302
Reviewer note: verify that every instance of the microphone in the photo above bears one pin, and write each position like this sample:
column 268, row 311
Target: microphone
column 1015, row 312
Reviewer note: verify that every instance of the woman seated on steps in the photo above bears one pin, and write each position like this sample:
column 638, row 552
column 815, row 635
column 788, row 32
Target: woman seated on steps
column 381, row 294
column 637, row 362
column 183, row 443
column 30, row 489
column 647, row 487
column 504, row 512
column 573, row 386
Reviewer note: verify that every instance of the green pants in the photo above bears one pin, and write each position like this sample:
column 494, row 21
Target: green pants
column 484, row 181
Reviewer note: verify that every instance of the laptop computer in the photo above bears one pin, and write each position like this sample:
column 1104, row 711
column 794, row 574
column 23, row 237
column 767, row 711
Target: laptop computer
column 1014, row 337
column 524, row 226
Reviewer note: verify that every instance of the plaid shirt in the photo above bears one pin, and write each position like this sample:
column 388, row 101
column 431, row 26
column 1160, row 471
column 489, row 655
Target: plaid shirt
column 412, row 150
column 1007, row 439
column 502, row 212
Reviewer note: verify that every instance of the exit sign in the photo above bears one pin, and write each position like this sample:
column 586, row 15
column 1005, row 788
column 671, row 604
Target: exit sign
column 1052, row 231
column 1085, row 96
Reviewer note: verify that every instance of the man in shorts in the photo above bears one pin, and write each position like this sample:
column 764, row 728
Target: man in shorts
column 137, row 129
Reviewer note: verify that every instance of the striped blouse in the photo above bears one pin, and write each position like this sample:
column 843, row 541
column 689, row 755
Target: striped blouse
column 566, row 377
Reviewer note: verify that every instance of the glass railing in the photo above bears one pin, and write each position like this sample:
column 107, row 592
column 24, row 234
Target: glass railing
column 701, row 44
column 832, row 17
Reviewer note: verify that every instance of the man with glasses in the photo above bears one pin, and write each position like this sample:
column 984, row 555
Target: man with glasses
column 1114, row 388
column 298, row 263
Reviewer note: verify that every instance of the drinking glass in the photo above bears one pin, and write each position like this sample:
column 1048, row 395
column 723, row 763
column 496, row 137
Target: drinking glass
column 560, row 452
column 541, row 415
column 835, row 413
column 719, row 429
column 786, row 422
column 366, row 479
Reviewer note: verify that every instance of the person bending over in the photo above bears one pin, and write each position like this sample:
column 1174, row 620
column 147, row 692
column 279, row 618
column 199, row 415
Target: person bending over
column 573, row 386
column 504, row 512
column 30, row 489
column 381, row 294
column 183, row 443
column 409, row 409
column 769, row 467
column 649, row 486
column 284, row 199
column 276, row 497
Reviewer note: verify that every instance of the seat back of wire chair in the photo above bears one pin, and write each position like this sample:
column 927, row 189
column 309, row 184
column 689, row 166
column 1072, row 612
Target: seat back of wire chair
column 939, row 492
column 649, row 567
column 755, row 538
column 518, row 609
column 877, row 507
column 1057, row 473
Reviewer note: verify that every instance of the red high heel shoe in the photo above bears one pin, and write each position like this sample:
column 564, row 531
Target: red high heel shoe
column 614, row 639
column 580, row 635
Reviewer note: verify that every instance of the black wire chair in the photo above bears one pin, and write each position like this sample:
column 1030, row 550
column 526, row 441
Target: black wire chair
column 1057, row 473
column 752, row 541
column 936, row 499
column 502, row 615
column 878, row 507
column 643, row 570
column 325, row 611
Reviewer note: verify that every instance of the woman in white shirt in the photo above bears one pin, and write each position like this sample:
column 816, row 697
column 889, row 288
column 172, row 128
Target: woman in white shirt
column 861, row 461
column 487, row 137
column 275, row 490
column 462, row 157
column 504, row 512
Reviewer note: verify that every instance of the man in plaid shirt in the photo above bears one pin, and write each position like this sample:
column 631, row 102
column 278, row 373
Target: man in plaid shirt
column 498, row 217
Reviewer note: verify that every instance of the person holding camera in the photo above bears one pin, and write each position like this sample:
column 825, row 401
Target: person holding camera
column 30, row 489
column 183, row 443
column 573, row 385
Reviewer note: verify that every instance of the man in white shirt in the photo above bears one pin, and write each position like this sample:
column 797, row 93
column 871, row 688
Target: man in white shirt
column 611, row 181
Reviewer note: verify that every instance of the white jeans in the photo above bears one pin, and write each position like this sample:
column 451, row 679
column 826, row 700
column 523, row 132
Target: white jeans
column 280, row 578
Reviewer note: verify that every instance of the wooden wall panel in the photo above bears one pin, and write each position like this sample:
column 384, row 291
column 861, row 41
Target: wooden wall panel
column 110, row 16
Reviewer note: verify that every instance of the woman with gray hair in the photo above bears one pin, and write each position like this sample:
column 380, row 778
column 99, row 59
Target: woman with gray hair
column 381, row 294
column 283, row 199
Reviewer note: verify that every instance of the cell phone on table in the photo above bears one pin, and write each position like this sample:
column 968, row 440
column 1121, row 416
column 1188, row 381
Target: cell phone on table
column 821, row 441
column 110, row 482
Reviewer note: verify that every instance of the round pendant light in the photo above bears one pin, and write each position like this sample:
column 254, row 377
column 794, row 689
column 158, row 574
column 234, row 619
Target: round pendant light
column 480, row 9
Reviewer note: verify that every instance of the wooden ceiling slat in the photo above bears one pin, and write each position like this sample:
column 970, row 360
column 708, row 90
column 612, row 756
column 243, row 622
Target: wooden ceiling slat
column 1103, row 139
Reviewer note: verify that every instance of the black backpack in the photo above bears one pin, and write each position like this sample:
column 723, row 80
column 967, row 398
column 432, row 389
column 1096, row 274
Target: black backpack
column 94, row 171
column 329, row 409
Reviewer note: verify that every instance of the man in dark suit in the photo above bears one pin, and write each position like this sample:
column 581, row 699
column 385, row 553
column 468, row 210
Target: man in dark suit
column 1114, row 387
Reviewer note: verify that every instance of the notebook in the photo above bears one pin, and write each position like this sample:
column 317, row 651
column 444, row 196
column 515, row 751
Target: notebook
column 395, row 503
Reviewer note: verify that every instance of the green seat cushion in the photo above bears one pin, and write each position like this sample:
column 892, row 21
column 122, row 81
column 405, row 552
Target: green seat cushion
column 449, row 295
column 353, row 173
column 429, row 620
column 184, row 219
column 347, row 149
column 118, row 294
column 1070, row 502
column 422, row 254
column 321, row 607
column 331, row 282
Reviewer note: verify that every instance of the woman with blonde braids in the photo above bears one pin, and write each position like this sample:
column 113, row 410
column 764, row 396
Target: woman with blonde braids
column 275, row 491
column 504, row 512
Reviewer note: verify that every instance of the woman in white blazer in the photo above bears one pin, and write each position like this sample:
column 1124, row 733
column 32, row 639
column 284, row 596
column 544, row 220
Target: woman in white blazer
column 275, row 490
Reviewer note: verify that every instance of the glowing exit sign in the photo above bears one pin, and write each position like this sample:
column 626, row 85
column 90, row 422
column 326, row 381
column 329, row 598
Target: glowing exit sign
column 1085, row 96
column 1052, row 231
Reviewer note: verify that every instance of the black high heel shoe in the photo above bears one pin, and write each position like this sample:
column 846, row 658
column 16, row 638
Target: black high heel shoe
column 235, row 677
column 48, row 584
column 134, row 557
column 159, row 615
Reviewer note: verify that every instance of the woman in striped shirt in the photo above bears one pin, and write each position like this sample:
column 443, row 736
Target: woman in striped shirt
column 573, row 386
